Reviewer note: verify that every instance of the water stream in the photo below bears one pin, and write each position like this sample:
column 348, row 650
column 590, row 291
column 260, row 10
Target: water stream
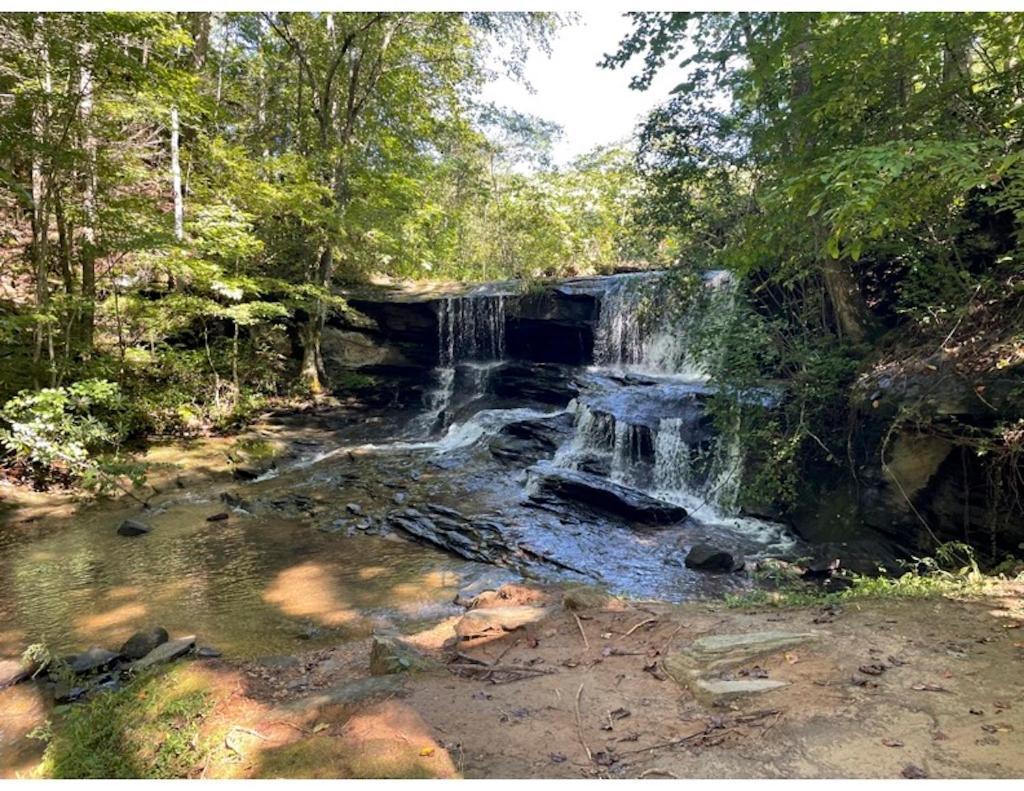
column 310, row 551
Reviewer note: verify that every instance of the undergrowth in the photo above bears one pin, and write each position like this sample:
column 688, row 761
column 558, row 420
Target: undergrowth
column 150, row 729
column 953, row 571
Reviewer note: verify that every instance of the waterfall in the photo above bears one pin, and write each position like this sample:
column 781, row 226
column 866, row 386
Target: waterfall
column 637, row 332
column 470, row 328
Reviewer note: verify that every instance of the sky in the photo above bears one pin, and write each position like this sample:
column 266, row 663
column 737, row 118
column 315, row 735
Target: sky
column 594, row 106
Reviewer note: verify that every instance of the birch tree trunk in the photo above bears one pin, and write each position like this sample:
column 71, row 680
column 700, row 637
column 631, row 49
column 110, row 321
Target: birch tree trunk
column 88, row 245
column 179, row 201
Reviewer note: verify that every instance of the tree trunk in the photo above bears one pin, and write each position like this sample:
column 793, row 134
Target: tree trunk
column 87, row 249
column 848, row 307
column 179, row 201
column 40, row 210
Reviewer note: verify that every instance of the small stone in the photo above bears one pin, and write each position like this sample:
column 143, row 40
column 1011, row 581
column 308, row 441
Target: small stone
column 399, row 498
column 584, row 598
column 208, row 652
column 354, row 508
column 497, row 619
column 704, row 557
column 131, row 528
column 390, row 654
column 914, row 772
column 167, row 652
column 141, row 643
column 219, row 517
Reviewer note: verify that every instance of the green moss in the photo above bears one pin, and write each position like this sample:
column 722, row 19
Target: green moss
column 149, row 729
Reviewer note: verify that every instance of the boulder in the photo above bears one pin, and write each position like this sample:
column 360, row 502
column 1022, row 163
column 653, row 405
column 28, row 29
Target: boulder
column 141, row 643
column 131, row 528
column 604, row 495
column 167, row 652
column 93, row 659
column 705, row 557
column 496, row 620
column 390, row 654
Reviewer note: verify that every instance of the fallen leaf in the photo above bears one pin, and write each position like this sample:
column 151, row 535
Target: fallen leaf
column 792, row 658
column 892, row 742
column 426, row 752
column 558, row 758
column 1014, row 625
column 928, row 687
column 320, row 726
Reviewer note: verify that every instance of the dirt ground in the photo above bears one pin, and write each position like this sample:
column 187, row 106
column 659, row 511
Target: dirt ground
column 923, row 687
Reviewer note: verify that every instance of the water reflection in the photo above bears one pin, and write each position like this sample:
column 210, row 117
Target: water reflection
column 249, row 585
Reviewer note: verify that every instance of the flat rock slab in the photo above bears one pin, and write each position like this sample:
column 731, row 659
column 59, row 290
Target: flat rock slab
column 167, row 652
column 497, row 619
column 605, row 495
column 712, row 690
column 93, row 659
column 719, row 650
column 132, row 528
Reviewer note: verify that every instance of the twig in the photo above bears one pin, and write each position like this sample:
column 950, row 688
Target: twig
column 666, row 772
column 579, row 725
column 579, row 625
column 537, row 671
column 642, row 623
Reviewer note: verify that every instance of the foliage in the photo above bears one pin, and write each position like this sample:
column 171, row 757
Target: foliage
column 149, row 729
column 859, row 173
column 57, row 430
column 952, row 571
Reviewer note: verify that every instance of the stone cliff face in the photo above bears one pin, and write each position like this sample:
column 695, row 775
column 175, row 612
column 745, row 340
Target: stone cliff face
column 396, row 330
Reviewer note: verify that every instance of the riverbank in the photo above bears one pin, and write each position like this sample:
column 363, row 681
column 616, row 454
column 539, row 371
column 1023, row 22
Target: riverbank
column 873, row 688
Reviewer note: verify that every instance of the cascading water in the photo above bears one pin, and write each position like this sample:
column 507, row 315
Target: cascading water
column 635, row 331
column 470, row 329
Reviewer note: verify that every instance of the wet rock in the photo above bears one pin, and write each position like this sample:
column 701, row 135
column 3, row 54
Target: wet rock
column 476, row 623
column 489, row 581
column 93, row 659
column 584, row 598
column 131, row 528
column 481, row 538
column 167, row 652
column 68, row 693
column 235, row 500
column 399, row 498
column 252, row 471
column 705, row 557
column 354, row 508
column 604, row 495
column 218, row 517
column 141, row 643
column 390, row 654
